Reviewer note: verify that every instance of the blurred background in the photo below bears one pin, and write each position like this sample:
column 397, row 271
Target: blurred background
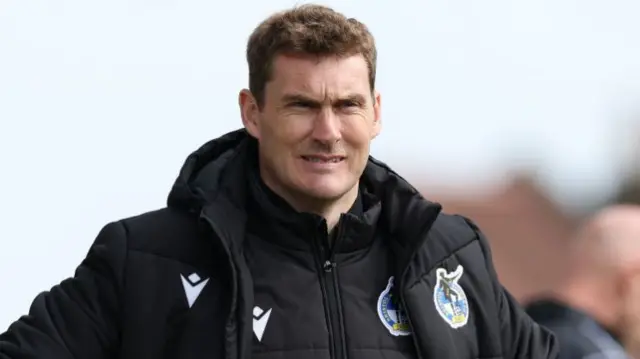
column 522, row 115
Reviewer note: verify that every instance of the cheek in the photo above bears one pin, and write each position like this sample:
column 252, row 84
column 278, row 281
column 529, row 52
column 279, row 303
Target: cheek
column 356, row 137
column 357, row 133
column 282, row 131
column 629, row 297
column 633, row 294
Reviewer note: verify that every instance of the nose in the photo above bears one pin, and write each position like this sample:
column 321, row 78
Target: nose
column 327, row 127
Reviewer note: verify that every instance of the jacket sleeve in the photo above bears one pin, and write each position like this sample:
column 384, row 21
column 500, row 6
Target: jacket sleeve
column 77, row 318
column 521, row 337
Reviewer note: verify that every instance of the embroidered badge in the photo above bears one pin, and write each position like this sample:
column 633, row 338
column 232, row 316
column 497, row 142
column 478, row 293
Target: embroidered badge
column 450, row 299
column 391, row 313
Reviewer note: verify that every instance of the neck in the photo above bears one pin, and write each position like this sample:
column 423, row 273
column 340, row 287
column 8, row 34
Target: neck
column 329, row 209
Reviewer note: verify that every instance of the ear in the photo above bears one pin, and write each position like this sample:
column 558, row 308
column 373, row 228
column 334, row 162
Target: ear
column 377, row 115
column 250, row 112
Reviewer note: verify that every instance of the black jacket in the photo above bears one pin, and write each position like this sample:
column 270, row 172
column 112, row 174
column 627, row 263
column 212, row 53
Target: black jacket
column 579, row 335
column 187, row 281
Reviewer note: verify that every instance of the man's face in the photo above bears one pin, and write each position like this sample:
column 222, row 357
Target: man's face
column 316, row 124
column 628, row 326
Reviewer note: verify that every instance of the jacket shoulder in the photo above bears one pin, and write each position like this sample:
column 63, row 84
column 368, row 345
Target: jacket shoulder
column 169, row 233
column 453, row 241
column 449, row 235
column 457, row 229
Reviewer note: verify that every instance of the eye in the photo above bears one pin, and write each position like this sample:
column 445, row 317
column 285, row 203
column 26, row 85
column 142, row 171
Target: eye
column 302, row 104
column 349, row 105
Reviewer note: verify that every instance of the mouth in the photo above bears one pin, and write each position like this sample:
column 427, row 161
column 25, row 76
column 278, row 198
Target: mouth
column 323, row 158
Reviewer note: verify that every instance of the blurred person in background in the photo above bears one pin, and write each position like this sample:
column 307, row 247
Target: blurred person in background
column 286, row 240
column 595, row 312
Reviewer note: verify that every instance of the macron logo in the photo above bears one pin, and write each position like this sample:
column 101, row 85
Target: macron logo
column 260, row 319
column 193, row 286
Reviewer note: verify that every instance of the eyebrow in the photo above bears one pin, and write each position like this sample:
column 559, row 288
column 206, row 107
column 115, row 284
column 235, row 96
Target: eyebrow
column 357, row 98
column 298, row 98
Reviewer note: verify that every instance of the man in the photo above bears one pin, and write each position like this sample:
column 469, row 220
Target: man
column 286, row 240
column 596, row 310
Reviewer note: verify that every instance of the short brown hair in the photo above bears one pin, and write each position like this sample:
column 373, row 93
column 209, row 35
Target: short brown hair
column 307, row 29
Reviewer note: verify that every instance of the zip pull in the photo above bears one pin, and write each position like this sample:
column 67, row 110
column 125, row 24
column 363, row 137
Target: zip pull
column 328, row 266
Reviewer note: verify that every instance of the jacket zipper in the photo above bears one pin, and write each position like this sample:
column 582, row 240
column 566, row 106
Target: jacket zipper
column 232, row 350
column 403, row 278
column 331, row 292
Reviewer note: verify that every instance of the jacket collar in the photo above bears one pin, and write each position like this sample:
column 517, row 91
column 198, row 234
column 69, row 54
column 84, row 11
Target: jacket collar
column 216, row 175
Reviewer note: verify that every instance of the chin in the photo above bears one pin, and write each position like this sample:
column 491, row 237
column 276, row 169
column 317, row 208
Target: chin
column 326, row 190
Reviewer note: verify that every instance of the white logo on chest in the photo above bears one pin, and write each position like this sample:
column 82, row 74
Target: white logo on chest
column 193, row 286
column 260, row 320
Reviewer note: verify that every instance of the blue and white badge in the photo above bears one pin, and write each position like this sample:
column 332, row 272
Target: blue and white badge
column 391, row 313
column 450, row 299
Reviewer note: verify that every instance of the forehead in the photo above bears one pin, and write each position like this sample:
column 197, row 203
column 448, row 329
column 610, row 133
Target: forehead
column 320, row 76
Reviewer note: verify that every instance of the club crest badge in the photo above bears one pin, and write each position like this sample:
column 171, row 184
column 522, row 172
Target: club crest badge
column 391, row 313
column 450, row 299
